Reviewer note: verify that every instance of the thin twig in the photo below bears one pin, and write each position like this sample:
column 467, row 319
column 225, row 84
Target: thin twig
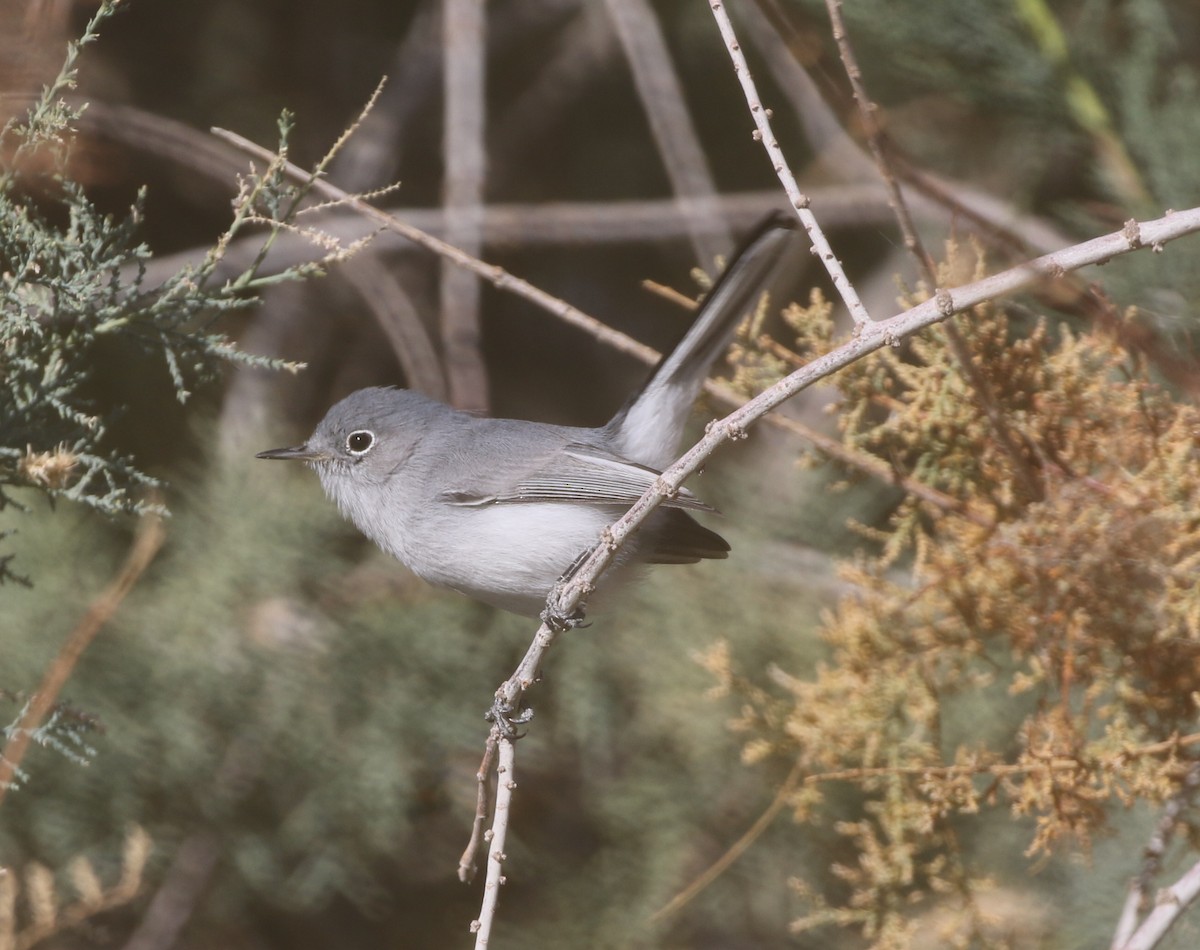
column 149, row 538
column 567, row 598
column 867, row 110
column 531, row 226
column 505, row 784
column 671, row 125
column 735, row 850
column 495, row 275
column 834, row 147
column 467, row 866
column 800, row 201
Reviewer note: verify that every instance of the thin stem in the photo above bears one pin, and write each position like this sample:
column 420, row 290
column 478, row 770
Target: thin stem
column 867, row 110
column 493, row 274
column 566, row 598
column 798, row 199
column 149, row 539
column 483, row 777
column 735, row 850
column 505, row 784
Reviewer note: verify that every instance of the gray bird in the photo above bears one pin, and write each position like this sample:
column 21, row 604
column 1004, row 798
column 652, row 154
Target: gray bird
column 499, row 508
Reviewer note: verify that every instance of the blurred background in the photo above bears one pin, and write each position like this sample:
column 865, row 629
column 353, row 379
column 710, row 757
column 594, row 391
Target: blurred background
column 294, row 720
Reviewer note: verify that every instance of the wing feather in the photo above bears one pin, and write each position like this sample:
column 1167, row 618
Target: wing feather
column 580, row 473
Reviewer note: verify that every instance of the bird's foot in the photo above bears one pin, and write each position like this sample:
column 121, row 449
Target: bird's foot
column 507, row 718
column 559, row 622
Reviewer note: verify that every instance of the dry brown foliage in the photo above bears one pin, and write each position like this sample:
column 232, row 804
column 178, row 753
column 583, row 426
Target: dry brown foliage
column 1062, row 588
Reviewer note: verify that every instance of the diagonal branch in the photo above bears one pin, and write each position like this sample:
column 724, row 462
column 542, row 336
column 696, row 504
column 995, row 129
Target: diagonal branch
column 149, row 539
column 1139, row 894
column 735, row 850
column 799, row 200
column 497, row 276
column 567, row 599
column 867, row 110
column 1172, row 902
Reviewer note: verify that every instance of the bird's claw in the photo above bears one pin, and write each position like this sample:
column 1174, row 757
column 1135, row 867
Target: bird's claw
column 502, row 716
column 561, row 622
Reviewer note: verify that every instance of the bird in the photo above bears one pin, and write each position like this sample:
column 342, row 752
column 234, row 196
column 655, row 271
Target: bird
column 499, row 509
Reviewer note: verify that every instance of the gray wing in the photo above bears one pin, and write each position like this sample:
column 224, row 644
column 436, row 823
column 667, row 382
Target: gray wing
column 585, row 474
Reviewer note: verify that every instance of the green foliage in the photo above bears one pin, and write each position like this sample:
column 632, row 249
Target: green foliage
column 1061, row 573
column 71, row 281
column 321, row 717
column 66, row 731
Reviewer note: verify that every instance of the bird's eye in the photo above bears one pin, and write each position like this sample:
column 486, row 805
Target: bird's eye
column 360, row 442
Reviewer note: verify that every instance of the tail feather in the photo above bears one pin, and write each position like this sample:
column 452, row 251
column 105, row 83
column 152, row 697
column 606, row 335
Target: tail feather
column 648, row 428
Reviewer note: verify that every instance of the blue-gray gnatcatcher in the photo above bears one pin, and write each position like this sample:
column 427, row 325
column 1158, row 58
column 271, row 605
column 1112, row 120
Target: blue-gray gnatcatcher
column 499, row 508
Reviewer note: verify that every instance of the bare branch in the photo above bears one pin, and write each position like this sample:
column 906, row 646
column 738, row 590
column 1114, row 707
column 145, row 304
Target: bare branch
column 1171, row 903
column 867, row 112
column 735, row 850
column 800, row 201
column 1139, row 894
column 497, row 276
column 505, row 784
column 566, row 600
column 466, row 864
column 835, row 148
column 560, row 223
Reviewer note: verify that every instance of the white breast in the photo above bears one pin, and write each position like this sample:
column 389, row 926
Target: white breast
column 508, row 555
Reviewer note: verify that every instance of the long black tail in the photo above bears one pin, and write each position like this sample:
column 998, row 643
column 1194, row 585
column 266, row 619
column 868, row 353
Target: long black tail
column 648, row 428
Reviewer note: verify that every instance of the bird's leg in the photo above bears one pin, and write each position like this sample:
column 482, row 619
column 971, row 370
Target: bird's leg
column 554, row 619
column 560, row 622
column 507, row 717
column 574, row 566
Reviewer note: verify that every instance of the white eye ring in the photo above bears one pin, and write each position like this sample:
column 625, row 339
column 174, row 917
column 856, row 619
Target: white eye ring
column 360, row 442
